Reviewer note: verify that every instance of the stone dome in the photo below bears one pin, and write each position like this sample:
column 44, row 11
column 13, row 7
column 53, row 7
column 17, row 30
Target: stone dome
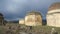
column 33, row 18
column 33, row 13
column 54, row 6
column 53, row 15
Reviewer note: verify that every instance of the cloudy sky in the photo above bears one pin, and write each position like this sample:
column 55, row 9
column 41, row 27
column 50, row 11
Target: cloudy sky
column 16, row 9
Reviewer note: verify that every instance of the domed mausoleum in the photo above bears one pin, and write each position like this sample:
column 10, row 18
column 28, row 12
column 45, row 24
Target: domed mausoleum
column 1, row 19
column 53, row 15
column 21, row 21
column 33, row 18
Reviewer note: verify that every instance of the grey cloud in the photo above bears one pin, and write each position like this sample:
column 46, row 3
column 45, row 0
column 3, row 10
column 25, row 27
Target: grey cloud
column 13, row 9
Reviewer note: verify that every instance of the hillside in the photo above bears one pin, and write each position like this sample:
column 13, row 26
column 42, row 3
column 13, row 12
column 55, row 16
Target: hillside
column 14, row 28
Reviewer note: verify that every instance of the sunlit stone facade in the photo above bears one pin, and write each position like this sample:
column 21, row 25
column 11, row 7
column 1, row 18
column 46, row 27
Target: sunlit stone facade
column 33, row 19
column 21, row 21
column 1, row 19
column 53, row 15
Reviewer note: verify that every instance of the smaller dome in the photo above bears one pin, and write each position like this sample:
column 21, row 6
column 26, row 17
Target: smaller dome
column 54, row 6
column 34, row 13
column 1, row 14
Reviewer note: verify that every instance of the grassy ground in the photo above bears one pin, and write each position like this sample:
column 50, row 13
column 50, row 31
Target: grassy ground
column 41, row 29
column 47, row 29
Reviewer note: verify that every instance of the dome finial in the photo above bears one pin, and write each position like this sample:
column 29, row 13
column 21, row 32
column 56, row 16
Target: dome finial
column 54, row 6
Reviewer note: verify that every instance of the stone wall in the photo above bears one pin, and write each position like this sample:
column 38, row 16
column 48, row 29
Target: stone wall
column 53, row 18
column 21, row 21
column 33, row 20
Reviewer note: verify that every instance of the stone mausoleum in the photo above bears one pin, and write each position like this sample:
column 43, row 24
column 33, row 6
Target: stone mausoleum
column 53, row 15
column 21, row 21
column 33, row 18
column 1, row 19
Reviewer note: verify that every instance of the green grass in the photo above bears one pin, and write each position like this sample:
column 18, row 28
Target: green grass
column 34, row 28
column 47, row 28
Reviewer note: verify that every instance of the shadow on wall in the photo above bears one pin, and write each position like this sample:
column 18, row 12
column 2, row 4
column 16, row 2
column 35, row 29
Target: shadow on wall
column 44, row 22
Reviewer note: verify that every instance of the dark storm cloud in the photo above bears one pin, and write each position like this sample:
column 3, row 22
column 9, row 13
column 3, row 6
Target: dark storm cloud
column 15, row 9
